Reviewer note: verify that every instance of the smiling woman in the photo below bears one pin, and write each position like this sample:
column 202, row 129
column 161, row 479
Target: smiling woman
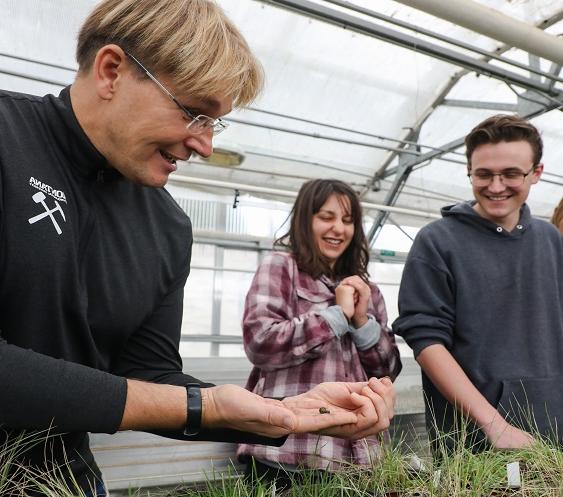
column 311, row 315
column 333, row 228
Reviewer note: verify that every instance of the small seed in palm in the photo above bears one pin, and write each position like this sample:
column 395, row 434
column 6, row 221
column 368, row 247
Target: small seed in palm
column 324, row 410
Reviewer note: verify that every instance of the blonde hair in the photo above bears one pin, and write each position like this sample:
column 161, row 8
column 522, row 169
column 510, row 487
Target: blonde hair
column 557, row 214
column 190, row 41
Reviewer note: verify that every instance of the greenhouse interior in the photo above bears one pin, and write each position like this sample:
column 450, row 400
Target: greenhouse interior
column 378, row 94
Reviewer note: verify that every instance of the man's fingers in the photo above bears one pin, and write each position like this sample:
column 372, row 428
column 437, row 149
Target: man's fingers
column 322, row 408
column 372, row 414
column 390, row 401
column 361, row 401
column 320, row 422
column 386, row 390
column 376, row 400
column 269, row 421
column 356, row 386
column 313, row 405
column 277, row 416
column 380, row 406
column 313, row 415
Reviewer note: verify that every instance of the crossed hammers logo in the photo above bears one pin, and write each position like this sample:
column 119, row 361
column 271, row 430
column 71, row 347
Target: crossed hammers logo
column 39, row 198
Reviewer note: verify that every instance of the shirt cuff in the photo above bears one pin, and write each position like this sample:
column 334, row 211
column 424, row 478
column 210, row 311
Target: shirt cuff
column 336, row 319
column 367, row 335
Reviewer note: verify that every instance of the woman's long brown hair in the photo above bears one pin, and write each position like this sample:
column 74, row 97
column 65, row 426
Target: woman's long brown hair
column 301, row 241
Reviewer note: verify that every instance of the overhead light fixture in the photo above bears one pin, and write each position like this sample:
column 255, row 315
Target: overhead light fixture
column 225, row 157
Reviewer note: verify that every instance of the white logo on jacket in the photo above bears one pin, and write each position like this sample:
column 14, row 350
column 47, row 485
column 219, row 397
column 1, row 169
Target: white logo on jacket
column 39, row 198
column 49, row 190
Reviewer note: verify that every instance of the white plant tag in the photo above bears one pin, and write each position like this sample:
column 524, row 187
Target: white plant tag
column 436, row 478
column 513, row 474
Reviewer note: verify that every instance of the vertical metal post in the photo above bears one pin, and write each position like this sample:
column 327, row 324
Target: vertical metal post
column 403, row 171
column 219, row 261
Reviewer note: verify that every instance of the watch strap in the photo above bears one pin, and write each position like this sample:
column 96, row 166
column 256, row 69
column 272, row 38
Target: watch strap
column 194, row 409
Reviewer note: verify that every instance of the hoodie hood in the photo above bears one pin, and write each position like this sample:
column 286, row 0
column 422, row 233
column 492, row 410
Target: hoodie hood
column 465, row 213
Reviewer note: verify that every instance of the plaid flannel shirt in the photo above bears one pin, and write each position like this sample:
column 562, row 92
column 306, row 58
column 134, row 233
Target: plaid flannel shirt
column 295, row 339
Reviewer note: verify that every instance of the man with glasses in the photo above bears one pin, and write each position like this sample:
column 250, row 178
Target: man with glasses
column 481, row 301
column 95, row 253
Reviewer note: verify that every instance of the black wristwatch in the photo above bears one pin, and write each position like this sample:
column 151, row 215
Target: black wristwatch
column 193, row 424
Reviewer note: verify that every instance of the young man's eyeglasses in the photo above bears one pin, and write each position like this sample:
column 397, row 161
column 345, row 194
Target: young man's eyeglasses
column 197, row 124
column 510, row 177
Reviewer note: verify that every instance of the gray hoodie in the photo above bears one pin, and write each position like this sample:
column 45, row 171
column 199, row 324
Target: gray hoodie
column 494, row 299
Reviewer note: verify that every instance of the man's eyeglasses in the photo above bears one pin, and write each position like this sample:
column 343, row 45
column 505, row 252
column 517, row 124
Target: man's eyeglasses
column 197, row 124
column 511, row 177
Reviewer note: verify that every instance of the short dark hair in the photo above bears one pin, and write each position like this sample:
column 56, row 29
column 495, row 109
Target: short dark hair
column 504, row 128
column 301, row 242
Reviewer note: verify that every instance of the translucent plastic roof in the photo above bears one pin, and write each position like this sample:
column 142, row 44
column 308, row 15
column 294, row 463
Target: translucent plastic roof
column 337, row 102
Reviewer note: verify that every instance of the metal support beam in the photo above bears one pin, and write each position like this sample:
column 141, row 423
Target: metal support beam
column 315, row 135
column 449, row 147
column 384, row 170
column 331, row 138
column 476, row 104
column 31, row 77
column 381, row 172
column 419, row 30
column 217, row 287
column 192, row 181
column 403, row 172
column 263, row 245
column 38, row 62
column 527, row 109
column 369, row 28
column 530, row 105
column 354, row 131
column 492, row 23
column 554, row 69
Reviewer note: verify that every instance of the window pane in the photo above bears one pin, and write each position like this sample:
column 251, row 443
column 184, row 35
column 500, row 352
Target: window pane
column 195, row 349
column 241, row 259
column 231, row 350
column 388, row 278
column 203, row 254
column 198, row 301
column 235, row 288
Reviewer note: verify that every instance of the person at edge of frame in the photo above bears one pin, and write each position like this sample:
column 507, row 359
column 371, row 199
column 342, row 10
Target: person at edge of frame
column 95, row 253
column 557, row 217
column 481, row 301
column 312, row 315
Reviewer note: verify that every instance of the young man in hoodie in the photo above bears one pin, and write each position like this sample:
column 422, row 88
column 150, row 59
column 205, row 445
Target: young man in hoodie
column 481, row 299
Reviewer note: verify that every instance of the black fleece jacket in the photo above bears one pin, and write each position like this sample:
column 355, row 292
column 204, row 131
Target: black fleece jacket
column 92, row 271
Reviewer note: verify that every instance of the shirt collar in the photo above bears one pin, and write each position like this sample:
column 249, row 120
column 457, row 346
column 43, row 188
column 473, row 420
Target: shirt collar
column 75, row 143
